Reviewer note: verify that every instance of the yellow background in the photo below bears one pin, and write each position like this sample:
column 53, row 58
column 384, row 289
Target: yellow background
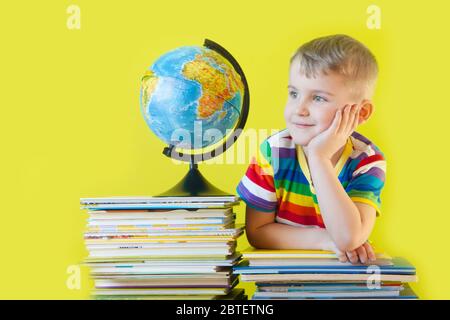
column 71, row 125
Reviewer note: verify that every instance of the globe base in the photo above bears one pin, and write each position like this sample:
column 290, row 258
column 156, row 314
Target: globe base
column 194, row 184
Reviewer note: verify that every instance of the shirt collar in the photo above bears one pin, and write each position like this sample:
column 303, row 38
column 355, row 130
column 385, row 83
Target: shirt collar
column 348, row 149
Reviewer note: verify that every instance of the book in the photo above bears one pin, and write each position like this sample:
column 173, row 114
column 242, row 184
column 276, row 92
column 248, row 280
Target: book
column 170, row 282
column 234, row 294
column 177, row 213
column 160, row 252
column 399, row 266
column 158, row 199
column 161, row 222
column 127, row 262
column 137, row 202
column 253, row 254
column 326, row 277
column 327, row 295
column 234, row 232
column 161, row 245
column 153, row 259
column 163, row 291
column 326, row 286
column 153, row 237
column 315, row 262
column 179, row 205
column 154, row 269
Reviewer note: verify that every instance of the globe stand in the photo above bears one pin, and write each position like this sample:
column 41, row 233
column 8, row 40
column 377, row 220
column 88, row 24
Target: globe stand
column 193, row 183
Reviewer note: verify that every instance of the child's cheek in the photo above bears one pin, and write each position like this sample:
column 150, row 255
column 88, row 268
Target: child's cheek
column 287, row 113
column 325, row 121
column 328, row 117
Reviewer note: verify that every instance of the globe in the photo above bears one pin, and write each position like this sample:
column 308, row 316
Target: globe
column 191, row 97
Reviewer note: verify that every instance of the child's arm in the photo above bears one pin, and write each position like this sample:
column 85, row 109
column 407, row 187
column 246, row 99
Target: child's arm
column 348, row 223
column 263, row 232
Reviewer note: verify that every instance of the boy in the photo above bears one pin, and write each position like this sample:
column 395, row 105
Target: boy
column 316, row 184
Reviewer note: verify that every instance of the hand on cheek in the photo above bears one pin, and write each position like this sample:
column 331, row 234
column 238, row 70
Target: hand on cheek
column 328, row 142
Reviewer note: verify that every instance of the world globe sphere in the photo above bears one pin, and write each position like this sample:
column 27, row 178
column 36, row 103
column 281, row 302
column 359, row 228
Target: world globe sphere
column 188, row 92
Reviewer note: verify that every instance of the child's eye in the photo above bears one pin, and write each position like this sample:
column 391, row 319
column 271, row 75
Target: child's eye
column 319, row 99
column 293, row 94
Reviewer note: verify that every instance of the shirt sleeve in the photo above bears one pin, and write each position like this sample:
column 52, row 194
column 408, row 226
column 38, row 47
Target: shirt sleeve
column 257, row 188
column 367, row 181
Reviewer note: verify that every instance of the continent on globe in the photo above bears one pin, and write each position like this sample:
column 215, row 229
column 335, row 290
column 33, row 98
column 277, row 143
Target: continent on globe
column 217, row 86
column 149, row 82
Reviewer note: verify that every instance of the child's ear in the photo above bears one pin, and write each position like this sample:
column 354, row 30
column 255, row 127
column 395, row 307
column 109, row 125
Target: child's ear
column 366, row 110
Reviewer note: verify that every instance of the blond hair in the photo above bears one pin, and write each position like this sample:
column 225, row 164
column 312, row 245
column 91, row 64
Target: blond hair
column 341, row 54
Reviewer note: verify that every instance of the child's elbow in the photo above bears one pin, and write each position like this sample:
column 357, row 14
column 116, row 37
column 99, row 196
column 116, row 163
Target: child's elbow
column 256, row 238
column 350, row 243
column 253, row 242
column 252, row 236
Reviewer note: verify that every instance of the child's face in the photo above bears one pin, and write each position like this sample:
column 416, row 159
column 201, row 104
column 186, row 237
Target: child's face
column 312, row 103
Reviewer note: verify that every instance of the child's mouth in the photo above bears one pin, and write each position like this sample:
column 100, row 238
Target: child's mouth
column 303, row 125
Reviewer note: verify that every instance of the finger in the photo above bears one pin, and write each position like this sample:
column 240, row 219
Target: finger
column 351, row 119
column 342, row 123
column 355, row 120
column 336, row 121
column 352, row 256
column 362, row 254
column 358, row 112
column 370, row 252
column 342, row 257
column 345, row 116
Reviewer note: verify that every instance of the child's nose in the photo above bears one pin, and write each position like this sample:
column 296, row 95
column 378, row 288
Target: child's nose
column 303, row 109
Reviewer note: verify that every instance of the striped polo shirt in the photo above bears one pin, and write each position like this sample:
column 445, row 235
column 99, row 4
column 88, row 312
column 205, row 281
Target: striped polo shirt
column 278, row 178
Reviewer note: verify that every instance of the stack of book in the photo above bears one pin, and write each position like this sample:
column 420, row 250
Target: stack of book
column 162, row 247
column 306, row 274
